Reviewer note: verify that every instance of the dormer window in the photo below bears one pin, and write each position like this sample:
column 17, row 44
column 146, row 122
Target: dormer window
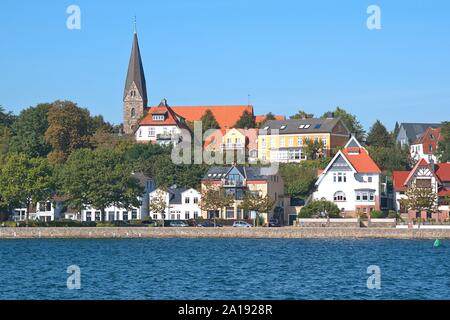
column 307, row 126
column 282, row 127
column 158, row 117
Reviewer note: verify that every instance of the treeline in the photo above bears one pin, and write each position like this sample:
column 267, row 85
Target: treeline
column 60, row 149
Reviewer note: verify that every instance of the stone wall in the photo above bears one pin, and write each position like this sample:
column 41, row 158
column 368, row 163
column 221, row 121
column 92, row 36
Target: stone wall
column 226, row 232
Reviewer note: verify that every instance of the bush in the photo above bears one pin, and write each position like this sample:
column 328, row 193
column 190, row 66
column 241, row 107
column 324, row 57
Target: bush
column 376, row 214
column 318, row 207
column 9, row 224
column 393, row 214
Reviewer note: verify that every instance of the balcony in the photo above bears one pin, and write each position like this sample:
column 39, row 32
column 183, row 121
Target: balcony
column 233, row 183
column 232, row 146
column 164, row 136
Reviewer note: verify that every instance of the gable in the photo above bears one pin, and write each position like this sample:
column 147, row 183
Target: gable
column 340, row 164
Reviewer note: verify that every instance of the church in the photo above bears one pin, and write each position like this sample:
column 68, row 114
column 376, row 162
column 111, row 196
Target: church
column 163, row 123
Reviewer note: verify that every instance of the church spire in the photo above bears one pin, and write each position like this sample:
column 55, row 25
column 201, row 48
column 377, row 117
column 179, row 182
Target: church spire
column 136, row 71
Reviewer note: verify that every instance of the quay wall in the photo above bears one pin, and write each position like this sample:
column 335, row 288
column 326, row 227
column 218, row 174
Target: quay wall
column 226, row 232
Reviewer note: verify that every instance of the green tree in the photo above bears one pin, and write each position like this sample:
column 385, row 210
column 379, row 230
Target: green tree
column 158, row 204
column 6, row 118
column 391, row 159
column 25, row 181
column 396, row 131
column 247, row 120
column 443, row 150
column 214, row 199
column 420, row 199
column 5, row 136
column 209, row 121
column 28, row 132
column 99, row 178
column 313, row 149
column 69, row 129
column 318, row 208
column 299, row 179
column 378, row 136
column 350, row 120
column 302, row 115
column 269, row 116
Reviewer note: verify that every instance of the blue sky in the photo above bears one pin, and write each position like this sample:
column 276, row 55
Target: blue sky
column 288, row 55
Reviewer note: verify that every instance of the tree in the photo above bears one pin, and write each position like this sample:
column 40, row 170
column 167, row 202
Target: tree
column 378, row 136
column 396, row 131
column 319, row 208
column 419, row 199
column 312, row 149
column 209, row 121
column 5, row 136
column 350, row 120
column 158, row 203
column 99, row 178
column 247, row 120
column 6, row 118
column 269, row 116
column 28, row 132
column 391, row 159
column 443, row 150
column 299, row 179
column 213, row 199
column 252, row 202
column 25, row 181
column 302, row 115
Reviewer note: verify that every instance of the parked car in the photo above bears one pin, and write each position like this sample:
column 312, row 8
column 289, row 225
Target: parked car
column 178, row 224
column 241, row 224
column 274, row 223
column 209, row 224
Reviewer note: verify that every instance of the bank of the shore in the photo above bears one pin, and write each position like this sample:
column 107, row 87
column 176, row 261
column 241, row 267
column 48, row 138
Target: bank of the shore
column 286, row 232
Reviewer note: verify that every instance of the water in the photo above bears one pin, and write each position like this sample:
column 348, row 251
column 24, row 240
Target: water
column 224, row 269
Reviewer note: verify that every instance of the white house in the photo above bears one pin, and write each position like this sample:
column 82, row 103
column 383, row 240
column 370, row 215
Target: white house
column 161, row 125
column 117, row 212
column 181, row 204
column 43, row 211
column 351, row 180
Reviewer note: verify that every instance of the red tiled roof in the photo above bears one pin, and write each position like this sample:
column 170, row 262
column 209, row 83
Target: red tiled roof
column 444, row 193
column 399, row 178
column 443, row 171
column 430, row 137
column 170, row 117
column 261, row 119
column 226, row 116
column 360, row 160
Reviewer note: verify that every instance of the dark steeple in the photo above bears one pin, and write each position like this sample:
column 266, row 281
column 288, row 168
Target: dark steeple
column 136, row 72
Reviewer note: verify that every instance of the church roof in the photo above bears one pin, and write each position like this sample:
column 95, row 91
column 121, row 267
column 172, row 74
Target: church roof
column 136, row 72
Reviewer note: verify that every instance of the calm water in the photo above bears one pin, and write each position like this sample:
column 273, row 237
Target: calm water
column 224, row 269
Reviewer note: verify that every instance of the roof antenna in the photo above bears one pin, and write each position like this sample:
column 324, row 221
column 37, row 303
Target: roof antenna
column 134, row 25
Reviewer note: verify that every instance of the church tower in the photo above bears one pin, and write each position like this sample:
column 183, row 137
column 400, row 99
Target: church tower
column 135, row 92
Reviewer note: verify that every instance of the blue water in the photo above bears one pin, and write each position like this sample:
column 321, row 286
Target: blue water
column 224, row 269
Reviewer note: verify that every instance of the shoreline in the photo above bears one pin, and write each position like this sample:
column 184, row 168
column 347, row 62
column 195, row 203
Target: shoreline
column 226, row 232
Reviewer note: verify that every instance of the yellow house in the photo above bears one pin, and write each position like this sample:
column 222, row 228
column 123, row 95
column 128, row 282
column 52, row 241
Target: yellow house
column 283, row 140
column 234, row 140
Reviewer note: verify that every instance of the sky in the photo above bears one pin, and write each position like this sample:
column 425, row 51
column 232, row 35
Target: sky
column 280, row 55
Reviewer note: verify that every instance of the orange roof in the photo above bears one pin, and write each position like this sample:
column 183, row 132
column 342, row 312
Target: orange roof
column 443, row 171
column 170, row 118
column 261, row 119
column 226, row 116
column 444, row 193
column 430, row 138
column 360, row 160
column 399, row 178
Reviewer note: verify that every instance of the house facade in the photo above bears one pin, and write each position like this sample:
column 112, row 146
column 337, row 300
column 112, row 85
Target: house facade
column 409, row 132
column 45, row 211
column 436, row 177
column 283, row 140
column 351, row 180
column 181, row 204
column 426, row 146
column 240, row 180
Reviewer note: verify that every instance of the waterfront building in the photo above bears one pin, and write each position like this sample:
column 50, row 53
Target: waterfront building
column 409, row 132
column 45, row 211
column 351, row 180
column 283, row 140
column 238, row 181
column 181, row 204
column 118, row 212
column 435, row 176
column 426, row 146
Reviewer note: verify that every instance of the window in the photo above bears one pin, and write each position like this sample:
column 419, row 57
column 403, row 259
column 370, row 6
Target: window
column 291, row 142
column 369, row 179
column 423, row 183
column 339, row 177
column 300, row 141
column 88, row 216
column 324, row 141
column 196, row 200
column 272, row 142
column 430, row 148
column 125, row 215
column 178, row 216
column 97, row 215
column 186, row 200
column 187, row 215
column 230, row 212
column 307, row 126
column 140, row 132
column 340, row 196
column 158, row 117
column 151, row 132
column 282, row 127
column 155, row 217
column 133, row 112
column 263, row 142
column 317, row 126
column 195, row 214
column 365, row 196
column 172, row 217
column 111, row 215
column 282, row 142
column 134, row 214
